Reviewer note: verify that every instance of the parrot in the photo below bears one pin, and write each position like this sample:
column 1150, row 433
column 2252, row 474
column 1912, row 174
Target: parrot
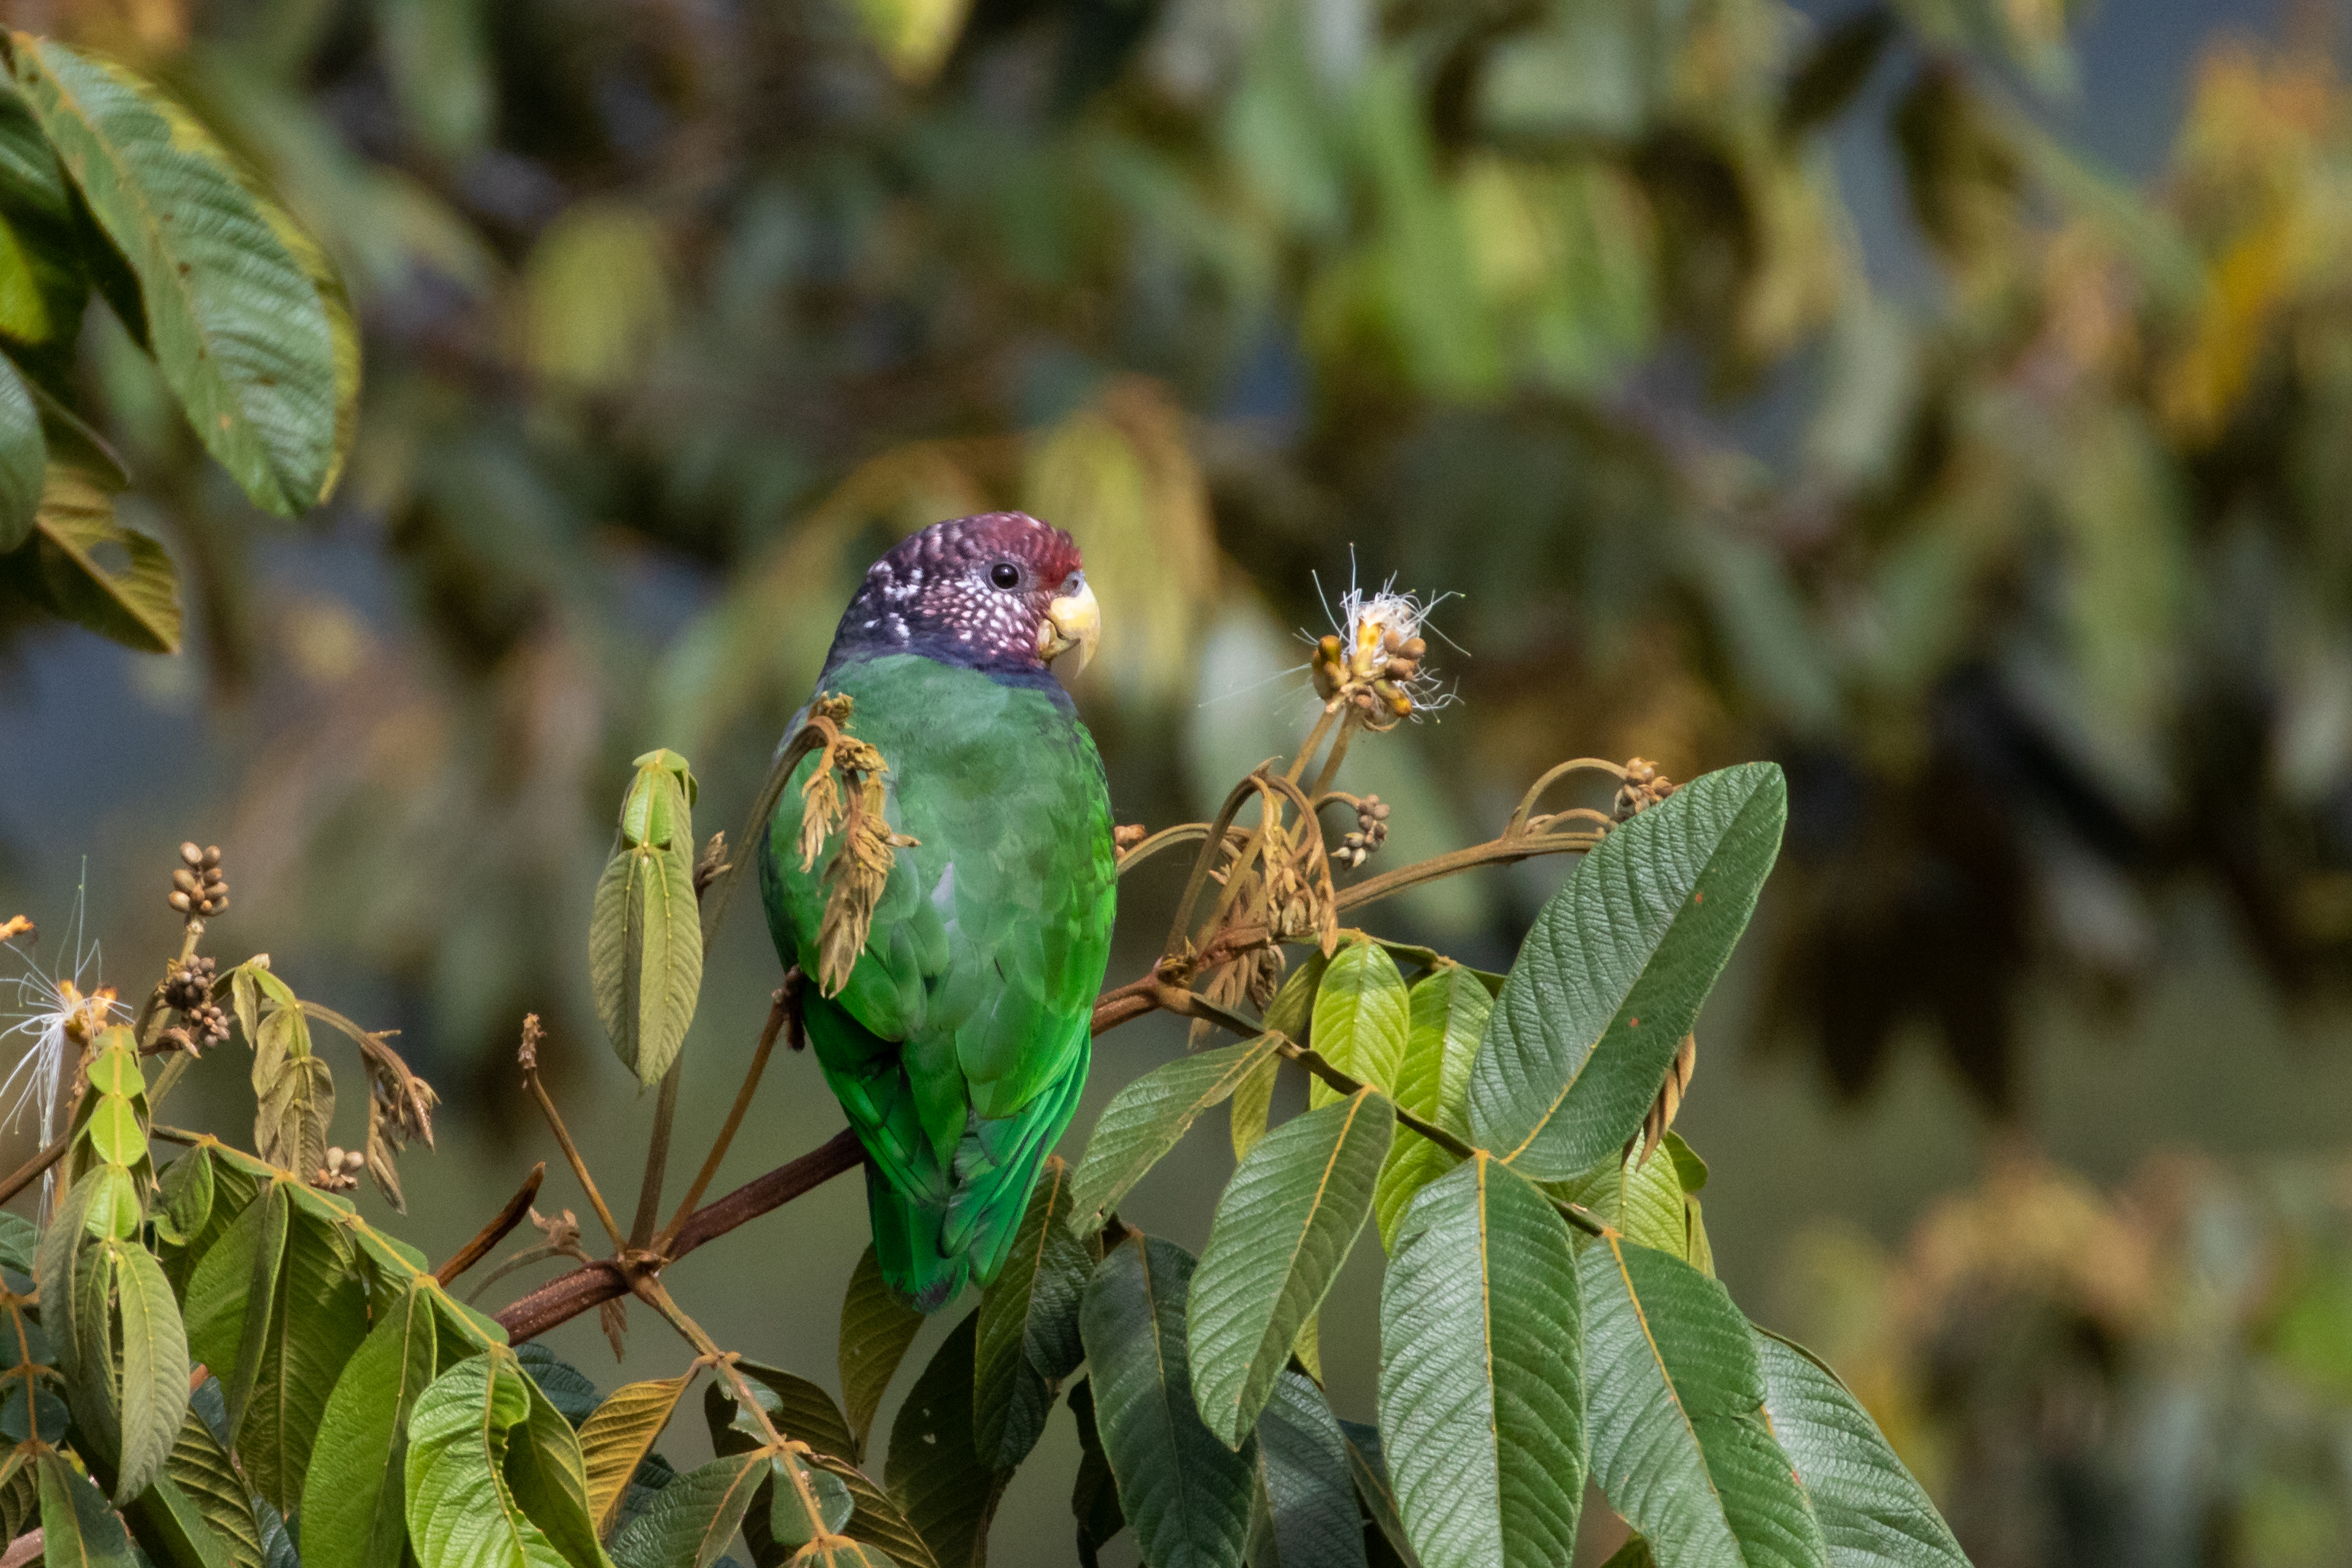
column 959, row 1044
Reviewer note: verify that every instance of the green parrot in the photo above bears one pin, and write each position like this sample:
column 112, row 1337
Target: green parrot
column 960, row 1043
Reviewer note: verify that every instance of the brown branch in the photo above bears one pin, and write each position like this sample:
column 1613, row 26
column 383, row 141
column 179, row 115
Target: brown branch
column 491, row 1234
column 780, row 1011
column 592, row 1284
column 24, row 1176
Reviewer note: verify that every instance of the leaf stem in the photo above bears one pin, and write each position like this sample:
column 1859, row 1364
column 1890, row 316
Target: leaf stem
column 780, row 1011
column 491, row 1234
column 530, row 1036
column 649, row 1192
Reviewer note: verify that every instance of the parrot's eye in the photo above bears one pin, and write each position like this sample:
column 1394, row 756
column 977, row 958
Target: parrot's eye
column 1004, row 574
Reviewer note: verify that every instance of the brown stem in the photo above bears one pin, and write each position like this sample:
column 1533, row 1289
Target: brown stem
column 563, row 1134
column 1206, row 860
column 780, row 1009
column 491, row 1234
column 649, row 1192
column 1496, row 851
column 29, row 1173
column 1330, row 768
column 566, row 1297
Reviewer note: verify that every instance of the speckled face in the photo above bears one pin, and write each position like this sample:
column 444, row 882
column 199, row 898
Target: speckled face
column 970, row 591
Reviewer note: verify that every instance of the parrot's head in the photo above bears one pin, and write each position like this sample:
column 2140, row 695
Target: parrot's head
column 1001, row 592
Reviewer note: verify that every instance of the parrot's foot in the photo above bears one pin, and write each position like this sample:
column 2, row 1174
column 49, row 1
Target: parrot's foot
column 788, row 997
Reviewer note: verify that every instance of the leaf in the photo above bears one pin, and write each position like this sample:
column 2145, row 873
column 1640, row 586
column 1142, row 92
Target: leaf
column 1149, row 1117
column 1370, row 1468
column 1290, row 1014
column 644, row 955
column 1641, row 1198
column 154, row 1396
column 615, row 1439
column 804, row 1503
column 1611, row 976
column 317, row 1320
column 23, row 453
column 200, row 1467
column 1449, row 1009
column 690, row 1523
column 113, row 581
column 1309, row 1491
column 78, row 1529
column 1361, row 1015
column 1253, row 1104
column 239, row 331
column 876, row 1330
column 473, row 1427
column 237, row 1276
column 1028, row 1336
column 296, row 1095
column 1482, row 1388
column 1681, row 1444
column 1094, row 1495
column 353, row 1512
column 805, row 1412
column 1282, row 1227
column 1185, row 1492
column 947, row 1492
column 170, row 1525
column 1872, row 1511
column 800, row 1410
column 567, row 1387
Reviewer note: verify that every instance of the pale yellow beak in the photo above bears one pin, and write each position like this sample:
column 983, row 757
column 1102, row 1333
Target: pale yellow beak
column 1072, row 622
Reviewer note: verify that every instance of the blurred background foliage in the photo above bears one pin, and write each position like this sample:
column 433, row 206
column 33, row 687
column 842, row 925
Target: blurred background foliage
column 1767, row 381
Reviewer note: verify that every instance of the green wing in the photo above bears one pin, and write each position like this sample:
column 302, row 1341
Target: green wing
column 960, row 1045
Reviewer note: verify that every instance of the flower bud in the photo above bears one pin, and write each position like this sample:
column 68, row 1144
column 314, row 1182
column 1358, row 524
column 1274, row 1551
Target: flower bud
column 193, row 855
column 179, row 901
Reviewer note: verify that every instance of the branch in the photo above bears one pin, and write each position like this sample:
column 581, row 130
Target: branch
column 528, row 1056
column 491, row 1234
column 568, row 1296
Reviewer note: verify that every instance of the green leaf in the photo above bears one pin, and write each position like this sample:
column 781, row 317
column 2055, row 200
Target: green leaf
column 481, row 1442
column 19, row 1238
column 1643, row 1198
column 1310, row 1492
column 1872, row 1513
column 170, row 1525
column 1290, row 1015
column 113, row 581
column 154, row 1396
column 78, row 1530
column 1449, row 1011
column 568, row 1388
column 876, row 1330
column 800, row 1410
column 806, row 1503
column 1094, row 1495
column 238, row 1276
column 288, row 1370
column 947, row 1491
column 200, row 1467
column 23, row 455
column 803, row 1411
column 1675, row 1399
column 55, row 1264
column 1369, row 1466
column 1185, row 1492
column 238, row 329
column 1253, row 1105
column 1282, row 1227
column 1361, row 1015
column 694, row 1518
column 294, row 1094
column 352, row 1509
column 616, row 1438
column 645, row 953
column 1149, row 1117
column 1028, row 1337
column 1612, row 975
column 1481, row 1393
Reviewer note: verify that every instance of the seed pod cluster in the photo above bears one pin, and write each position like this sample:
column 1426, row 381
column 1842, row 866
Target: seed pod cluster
column 1375, row 677
column 190, row 987
column 198, row 888
column 1370, row 831
column 1644, row 788
column 341, row 1171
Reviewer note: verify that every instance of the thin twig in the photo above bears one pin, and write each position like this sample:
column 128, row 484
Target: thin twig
column 1496, row 851
column 29, row 1173
column 780, row 1009
column 649, row 1192
column 530, row 1057
column 491, row 1234
column 569, row 1295
column 1206, row 860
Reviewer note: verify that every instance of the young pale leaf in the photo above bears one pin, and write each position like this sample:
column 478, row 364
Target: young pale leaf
column 645, row 953
column 875, row 1331
column 1149, row 1117
column 1361, row 1017
column 1253, row 1105
column 694, row 1518
column 352, row 1509
column 1611, row 976
column 1187, row 1494
column 1481, row 1393
column 615, row 1439
column 318, row 1318
column 1282, row 1227
column 1028, row 1337
column 113, row 581
column 1310, row 1492
column 948, row 1491
column 1641, row 1198
column 23, row 455
column 1872, row 1513
column 78, row 1529
column 1680, row 1440
column 154, row 1348
column 1449, row 1011
column 477, row 1443
column 1288, row 1015
column 238, row 329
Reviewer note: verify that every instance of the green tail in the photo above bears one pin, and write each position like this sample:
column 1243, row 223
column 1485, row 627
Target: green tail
column 936, row 1230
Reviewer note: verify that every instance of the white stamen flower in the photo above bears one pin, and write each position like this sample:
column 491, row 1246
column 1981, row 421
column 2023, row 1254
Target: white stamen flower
column 1376, row 660
column 55, row 1016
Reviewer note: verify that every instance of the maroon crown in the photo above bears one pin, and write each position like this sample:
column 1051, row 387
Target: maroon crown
column 937, row 593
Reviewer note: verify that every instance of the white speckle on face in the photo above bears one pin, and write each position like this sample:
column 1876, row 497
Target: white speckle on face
column 871, row 624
